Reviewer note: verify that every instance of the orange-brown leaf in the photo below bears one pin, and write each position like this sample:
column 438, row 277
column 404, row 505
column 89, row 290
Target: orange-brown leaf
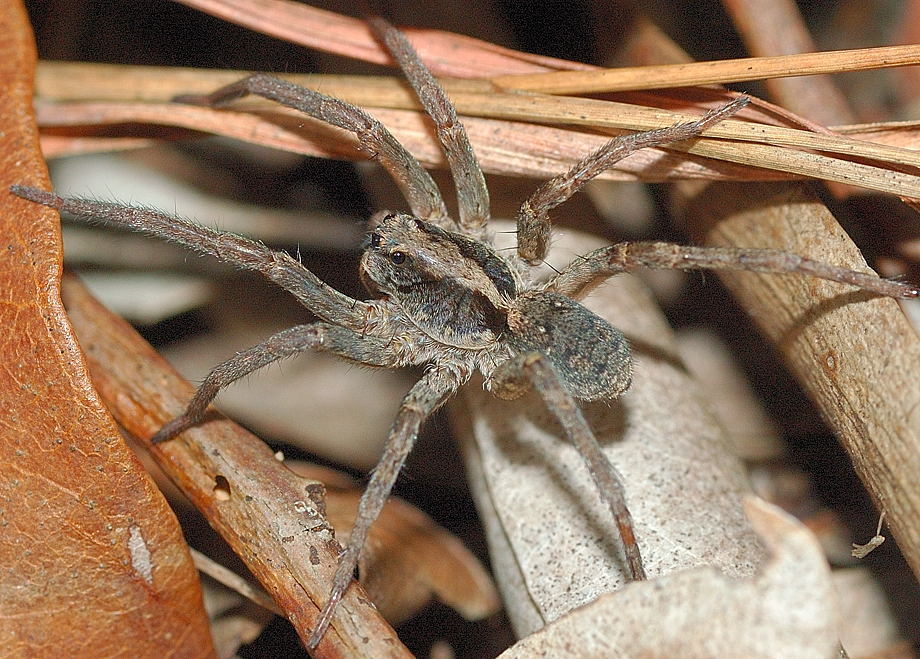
column 94, row 563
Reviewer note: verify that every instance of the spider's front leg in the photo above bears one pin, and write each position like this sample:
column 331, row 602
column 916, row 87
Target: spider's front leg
column 322, row 337
column 534, row 369
column 583, row 274
column 279, row 267
column 533, row 226
column 472, row 193
column 414, row 182
column 429, row 393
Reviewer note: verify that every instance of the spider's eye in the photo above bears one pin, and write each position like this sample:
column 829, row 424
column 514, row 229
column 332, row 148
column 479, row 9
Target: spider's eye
column 398, row 258
column 375, row 240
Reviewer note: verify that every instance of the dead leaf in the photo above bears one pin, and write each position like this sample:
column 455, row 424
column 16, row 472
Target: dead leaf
column 788, row 609
column 752, row 435
column 93, row 559
column 447, row 54
column 867, row 623
column 270, row 517
column 802, row 64
column 407, row 560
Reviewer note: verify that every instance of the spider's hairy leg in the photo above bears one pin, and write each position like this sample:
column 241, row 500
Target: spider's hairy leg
column 286, row 343
column 425, row 397
column 583, row 274
column 534, row 369
column 472, row 193
column 533, row 226
column 413, row 181
column 279, row 267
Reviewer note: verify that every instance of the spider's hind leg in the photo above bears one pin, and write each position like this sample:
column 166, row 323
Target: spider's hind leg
column 585, row 273
column 534, row 369
column 425, row 397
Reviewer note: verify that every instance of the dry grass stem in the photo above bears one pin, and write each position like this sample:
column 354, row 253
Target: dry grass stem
column 711, row 73
column 756, row 145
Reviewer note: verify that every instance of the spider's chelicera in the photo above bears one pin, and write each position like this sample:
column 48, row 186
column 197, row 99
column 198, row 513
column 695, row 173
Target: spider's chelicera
column 446, row 299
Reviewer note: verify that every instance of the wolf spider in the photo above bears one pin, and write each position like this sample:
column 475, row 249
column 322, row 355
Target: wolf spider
column 447, row 299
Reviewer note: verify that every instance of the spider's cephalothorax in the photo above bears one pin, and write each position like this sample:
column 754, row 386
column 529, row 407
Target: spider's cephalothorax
column 448, row 300
column 450, row 292
column 455, row 290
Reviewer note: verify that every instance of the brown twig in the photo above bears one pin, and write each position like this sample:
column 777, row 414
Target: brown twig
column 271, row 517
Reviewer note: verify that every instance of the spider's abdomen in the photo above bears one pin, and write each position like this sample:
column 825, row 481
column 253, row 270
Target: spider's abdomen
column 591, row 357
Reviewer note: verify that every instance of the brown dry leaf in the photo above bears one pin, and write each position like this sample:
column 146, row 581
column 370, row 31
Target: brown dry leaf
column 548, row 531
column 94, row 562
column 446, row 54
column 270, row 517
column 407, row 559
column 111, row 95
column 908, row 32
column 787, row 609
